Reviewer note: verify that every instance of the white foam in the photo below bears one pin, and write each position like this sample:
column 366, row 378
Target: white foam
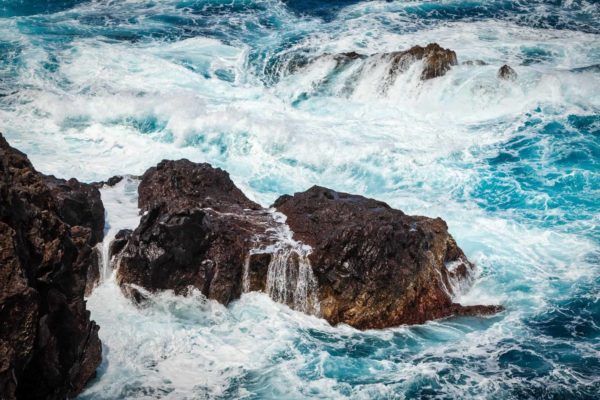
column 121, row 212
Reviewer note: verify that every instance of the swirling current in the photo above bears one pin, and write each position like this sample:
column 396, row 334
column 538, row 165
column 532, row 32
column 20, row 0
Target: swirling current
column 95, row 88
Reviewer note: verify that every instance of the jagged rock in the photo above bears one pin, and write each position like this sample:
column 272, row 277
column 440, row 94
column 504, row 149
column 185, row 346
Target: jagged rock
column 182, row 185
column 49, row 348
column 375, row 266
column 119, row 242
column 436, row 60
column 507, row 73
column 590, row 68
column 370, row 266
column 196, row 231
column 79, row 204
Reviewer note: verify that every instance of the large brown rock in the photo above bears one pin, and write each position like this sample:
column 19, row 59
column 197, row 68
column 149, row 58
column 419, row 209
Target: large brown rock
column 347, row 258
column 436, row 60
column 375, row 266
column 49, row 348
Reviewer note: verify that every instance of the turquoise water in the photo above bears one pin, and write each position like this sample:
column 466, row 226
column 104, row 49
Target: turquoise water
column 96, row 88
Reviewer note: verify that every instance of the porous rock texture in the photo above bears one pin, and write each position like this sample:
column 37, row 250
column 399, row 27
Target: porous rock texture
column 49, row 347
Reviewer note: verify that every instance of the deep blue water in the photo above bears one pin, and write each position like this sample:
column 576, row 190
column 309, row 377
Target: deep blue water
column 95, row 88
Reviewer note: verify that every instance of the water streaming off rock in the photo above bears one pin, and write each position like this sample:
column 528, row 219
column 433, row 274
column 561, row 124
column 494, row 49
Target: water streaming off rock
column 289, row 278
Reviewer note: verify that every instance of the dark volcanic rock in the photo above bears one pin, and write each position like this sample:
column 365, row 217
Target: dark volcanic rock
column 119, row 242
column 375, row 266
column 196, row 231
column 507, row 73
column 79, row 204
column 436, row 61
column 49, row 348
column 179, row 185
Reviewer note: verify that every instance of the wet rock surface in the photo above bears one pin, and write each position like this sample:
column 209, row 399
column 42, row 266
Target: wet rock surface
column 368, row 265
column 49, row 348
column 79, row 204
column 507, row 73
column 196, row 231
column 375, row 266
column 436, row 60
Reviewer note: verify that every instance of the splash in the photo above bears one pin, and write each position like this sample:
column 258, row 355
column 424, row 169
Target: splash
column 290, row 279
column 121, row 212
column 95, row 88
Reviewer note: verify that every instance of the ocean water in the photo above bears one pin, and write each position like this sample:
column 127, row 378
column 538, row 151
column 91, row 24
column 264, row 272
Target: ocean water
column 95, row 88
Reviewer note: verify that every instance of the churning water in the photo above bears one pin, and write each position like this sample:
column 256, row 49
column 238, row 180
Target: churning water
column 96, row 88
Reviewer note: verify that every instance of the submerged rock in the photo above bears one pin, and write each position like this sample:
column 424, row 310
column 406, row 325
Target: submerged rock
column 346, row 258
column 507, row 73
column 49, row 348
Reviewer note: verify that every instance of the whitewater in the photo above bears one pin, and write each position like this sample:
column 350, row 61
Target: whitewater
column 91, row 89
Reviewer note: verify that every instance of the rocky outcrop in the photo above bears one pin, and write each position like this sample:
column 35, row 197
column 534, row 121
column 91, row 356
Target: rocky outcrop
column 436, row 60
column 375, row 266
column 119, row 242
column 507, row 73
column 347, row 258
column 79, row 204
column 49, row 348
column 196, row 230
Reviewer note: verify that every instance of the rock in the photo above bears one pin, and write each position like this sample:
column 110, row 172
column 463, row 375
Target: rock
column 590, row 68
column 182, row 185
column 88, row 257
column 375, row 266
column 196, row 231
column 474, row 62
column 49, row 348
column 79, row 204
column 119, row 242
column 436, row 60
column 507, row 73
column 368, row 265
column 112, row 181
